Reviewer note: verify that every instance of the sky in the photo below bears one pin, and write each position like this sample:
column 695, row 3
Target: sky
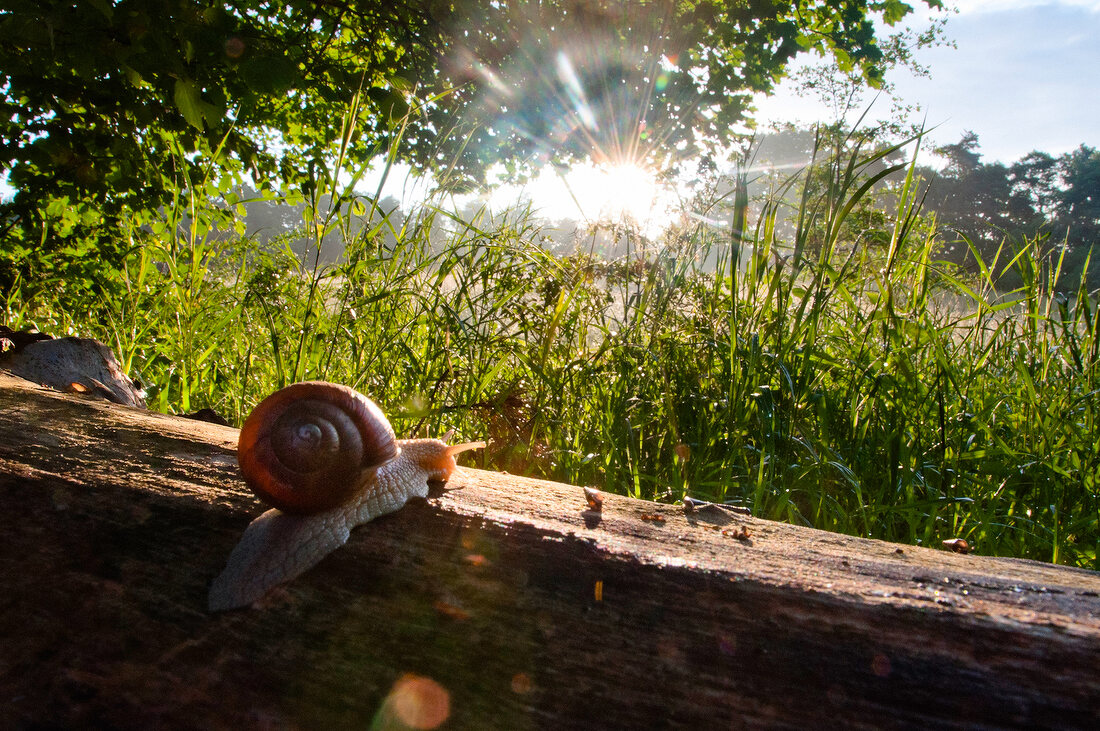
column 1025, row 75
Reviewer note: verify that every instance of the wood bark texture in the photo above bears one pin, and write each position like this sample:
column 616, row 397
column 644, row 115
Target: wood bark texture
column 500, row 602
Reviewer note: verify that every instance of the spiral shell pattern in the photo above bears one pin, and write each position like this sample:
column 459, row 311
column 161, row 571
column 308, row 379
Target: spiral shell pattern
column 306, row 448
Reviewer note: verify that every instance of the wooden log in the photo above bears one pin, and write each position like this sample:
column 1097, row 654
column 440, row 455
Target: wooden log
column 500, row 603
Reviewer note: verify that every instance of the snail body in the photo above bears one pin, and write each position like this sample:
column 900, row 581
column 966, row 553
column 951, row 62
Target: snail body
column 325, row 456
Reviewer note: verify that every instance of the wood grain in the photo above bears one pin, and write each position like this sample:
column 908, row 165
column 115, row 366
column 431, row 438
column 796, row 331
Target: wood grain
column 501, row 602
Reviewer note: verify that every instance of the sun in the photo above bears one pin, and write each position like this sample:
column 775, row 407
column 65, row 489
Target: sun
column 620, row 193
column 625, row 191
column 607, row 193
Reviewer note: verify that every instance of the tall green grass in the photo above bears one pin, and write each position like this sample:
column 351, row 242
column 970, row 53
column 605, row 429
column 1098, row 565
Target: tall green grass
column 815, row 376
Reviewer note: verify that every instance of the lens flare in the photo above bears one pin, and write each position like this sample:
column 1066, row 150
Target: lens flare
column 575, row 92
column 419, row 702
column 571, row 85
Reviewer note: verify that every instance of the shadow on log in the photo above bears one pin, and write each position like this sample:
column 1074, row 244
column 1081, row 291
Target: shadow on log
column 501, row 603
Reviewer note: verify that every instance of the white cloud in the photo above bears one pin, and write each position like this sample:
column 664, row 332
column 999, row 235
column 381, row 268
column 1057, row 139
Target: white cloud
column 1020, row 77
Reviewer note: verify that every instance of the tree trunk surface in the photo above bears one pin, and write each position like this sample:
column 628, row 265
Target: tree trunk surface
column 500, row 602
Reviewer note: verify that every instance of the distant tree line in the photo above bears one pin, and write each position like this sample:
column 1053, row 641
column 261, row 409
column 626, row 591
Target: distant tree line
column 1039, row 195
column 986, row 210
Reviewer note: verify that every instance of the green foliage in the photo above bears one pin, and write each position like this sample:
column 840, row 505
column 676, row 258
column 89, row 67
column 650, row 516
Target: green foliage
column 844, row 91
column 819, row 365
column 1078, row 202
column 637, row 81
column 870, row 389
column 982, row 206
column 109, row 106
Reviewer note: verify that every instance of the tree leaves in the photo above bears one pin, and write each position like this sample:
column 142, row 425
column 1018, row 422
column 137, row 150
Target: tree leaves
column 391, row 103
column 892, row 10
column 198, row 113
column 270, row 74
column 135, row 96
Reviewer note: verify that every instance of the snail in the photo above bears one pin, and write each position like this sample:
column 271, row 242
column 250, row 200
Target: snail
column 325, row 457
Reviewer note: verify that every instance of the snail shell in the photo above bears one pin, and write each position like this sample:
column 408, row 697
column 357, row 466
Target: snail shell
column 325, row 456
column 303, row 448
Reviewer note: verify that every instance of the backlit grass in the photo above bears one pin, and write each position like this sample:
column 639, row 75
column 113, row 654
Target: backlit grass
column 812, row 376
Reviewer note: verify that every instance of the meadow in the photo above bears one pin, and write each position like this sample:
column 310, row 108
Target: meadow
column 813, row 370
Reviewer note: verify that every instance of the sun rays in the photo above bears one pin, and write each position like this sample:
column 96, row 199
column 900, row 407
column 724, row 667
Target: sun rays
column 574, row 86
